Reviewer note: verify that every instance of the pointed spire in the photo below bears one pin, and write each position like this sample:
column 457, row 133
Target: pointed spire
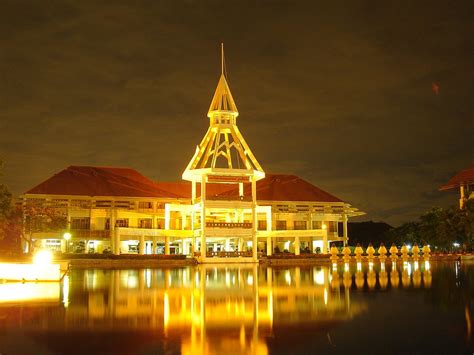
column 222, row 100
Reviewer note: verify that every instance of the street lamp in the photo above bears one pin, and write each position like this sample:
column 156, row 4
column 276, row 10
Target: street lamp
column 66, row 237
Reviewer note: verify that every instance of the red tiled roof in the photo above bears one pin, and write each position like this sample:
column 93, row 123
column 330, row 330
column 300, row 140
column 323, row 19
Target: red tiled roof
column 465, row 176
column 274, row 187
column 125, row 182
column 99, row 181
column 183, row 188
column 281, row 187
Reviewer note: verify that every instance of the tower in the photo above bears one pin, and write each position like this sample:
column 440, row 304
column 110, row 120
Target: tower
column 223, row 157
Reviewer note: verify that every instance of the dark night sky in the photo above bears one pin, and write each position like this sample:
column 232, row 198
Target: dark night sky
column 337, row 92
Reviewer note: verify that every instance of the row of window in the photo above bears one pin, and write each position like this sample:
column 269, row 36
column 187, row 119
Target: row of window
column 84, row 223
column 331, row 226
column 143, row 205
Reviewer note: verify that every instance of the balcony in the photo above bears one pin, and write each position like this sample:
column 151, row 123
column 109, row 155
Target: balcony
column 229, row 225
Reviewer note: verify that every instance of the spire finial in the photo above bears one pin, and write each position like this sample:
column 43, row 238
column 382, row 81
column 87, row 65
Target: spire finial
column 222, row 58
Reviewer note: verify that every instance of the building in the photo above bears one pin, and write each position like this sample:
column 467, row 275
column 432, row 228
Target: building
column 464, row 181
column 226, row 202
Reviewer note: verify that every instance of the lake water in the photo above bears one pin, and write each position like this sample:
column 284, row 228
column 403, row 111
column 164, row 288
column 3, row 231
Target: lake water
column 419, row 308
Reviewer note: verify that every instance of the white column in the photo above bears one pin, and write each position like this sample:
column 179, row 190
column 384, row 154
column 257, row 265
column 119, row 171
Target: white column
column 203, row 218
column 167, row 245
column 269, row 246
column 344, row 228
column 141, row 247
column 254, row 220
column 297, row 245
column 114, row 248
column 325, row 241
column 462, row 196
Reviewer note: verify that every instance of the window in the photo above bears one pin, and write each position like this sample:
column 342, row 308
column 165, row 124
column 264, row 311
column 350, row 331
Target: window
column 160, row 223
column 300, row 225
column 123, row 223
column 317, row 224
column 145, row 205
column 145, row 223
column 332, row 226
column 103, row 204
column 262, row 225
column 80, row 203
column 124, row 204
column 80, row 223
column 281, row 225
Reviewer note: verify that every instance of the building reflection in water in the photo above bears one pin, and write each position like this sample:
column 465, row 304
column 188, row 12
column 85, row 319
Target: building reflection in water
column 211, row 310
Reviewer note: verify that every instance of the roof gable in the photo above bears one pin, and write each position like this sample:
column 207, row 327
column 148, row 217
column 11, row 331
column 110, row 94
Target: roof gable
column 465, row 176
column 99, row 181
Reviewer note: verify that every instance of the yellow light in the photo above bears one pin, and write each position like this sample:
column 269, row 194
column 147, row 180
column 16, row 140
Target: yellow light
column 67, row 236
column 318, row 277
column 29, row 292
column 324, row 226
column 43, row 257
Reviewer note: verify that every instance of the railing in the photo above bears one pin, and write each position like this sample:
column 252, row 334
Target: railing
column 85, row 233
column 228, row 225
column 226, row 254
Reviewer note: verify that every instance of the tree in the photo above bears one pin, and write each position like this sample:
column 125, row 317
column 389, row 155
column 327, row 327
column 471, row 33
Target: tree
column 439, row 228
column 10, row 220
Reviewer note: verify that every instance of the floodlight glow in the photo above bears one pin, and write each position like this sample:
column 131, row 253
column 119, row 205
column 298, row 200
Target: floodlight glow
column 456, row 245
column 43, row 257
column 67, row 236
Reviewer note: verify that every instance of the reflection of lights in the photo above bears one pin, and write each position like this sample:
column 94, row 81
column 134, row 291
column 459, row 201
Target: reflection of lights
column 196, row 278
column 66, row 291
column 288, row 277
column 325, row 296
column 456, row 245
column 359, row 266
column 43, row 257
column 227, row 278
column 250, row 280
column 166, row 310
column 319, row 277
column 270, row 306
column 132, row 281
column 407, row 267
column 346, row 267
column 22, row 292
column 148, row 277
column 427, row 265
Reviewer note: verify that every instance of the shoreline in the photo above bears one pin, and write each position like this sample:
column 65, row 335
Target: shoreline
column 135, row 261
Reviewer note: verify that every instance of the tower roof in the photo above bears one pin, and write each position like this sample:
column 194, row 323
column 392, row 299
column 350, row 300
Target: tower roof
column 223, row 100
column 223, row 151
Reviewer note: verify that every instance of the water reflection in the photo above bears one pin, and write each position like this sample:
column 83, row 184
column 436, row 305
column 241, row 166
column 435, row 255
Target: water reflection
column 212, row 310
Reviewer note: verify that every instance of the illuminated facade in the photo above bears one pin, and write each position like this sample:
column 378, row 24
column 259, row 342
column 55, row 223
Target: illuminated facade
column 226, row 203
